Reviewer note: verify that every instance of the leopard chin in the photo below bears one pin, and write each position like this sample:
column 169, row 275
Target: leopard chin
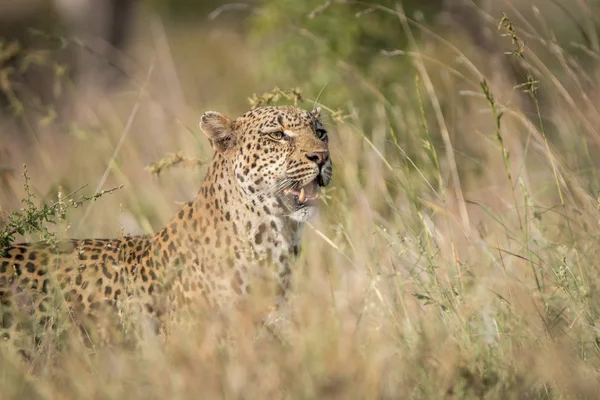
column 304, row 214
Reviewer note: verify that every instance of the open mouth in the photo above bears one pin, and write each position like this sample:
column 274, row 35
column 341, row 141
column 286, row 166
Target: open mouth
column 307, row 195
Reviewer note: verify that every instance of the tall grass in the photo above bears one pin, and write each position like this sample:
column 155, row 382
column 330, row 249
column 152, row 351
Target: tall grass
column 455, row 255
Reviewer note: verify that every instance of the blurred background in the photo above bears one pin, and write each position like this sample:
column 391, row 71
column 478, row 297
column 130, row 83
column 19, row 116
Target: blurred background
column 455, row 255
column 79, row 77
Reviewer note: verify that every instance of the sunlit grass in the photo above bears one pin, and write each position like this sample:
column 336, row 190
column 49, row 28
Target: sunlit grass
column 455, row 254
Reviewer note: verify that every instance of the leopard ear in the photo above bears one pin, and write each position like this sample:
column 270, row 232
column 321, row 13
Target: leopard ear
column 316, row 112
column 219, row 130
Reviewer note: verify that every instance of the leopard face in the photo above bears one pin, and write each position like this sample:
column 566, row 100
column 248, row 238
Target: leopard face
column 279, row 152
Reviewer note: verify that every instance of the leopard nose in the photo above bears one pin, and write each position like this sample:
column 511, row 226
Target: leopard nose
column 319, row 157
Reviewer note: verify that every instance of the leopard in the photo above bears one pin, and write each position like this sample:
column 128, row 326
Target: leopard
column 242, row 230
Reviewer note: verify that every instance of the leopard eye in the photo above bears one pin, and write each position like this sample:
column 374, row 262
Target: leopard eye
column 276, row 135
column 322, row 134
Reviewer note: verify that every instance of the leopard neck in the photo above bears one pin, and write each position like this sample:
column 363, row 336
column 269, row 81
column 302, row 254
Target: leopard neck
column 223, row 217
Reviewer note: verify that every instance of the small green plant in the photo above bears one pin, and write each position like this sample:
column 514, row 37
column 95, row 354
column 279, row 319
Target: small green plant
column 34, row 219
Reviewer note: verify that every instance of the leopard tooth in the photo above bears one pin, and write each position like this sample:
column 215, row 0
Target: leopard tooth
column 302, row 196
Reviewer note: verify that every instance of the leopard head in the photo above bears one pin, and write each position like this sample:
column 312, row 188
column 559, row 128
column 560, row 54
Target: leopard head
column 275, row 152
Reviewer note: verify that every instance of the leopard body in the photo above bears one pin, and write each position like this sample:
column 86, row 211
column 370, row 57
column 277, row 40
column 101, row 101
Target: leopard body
column 244, row 227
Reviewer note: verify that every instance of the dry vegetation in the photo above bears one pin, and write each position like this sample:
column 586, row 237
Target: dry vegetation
column 456, row 252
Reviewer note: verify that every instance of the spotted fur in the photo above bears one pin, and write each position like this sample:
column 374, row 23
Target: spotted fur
column 243, row 227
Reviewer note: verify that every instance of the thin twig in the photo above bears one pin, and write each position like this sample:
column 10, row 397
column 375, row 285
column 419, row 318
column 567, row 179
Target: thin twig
column 132, row 116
